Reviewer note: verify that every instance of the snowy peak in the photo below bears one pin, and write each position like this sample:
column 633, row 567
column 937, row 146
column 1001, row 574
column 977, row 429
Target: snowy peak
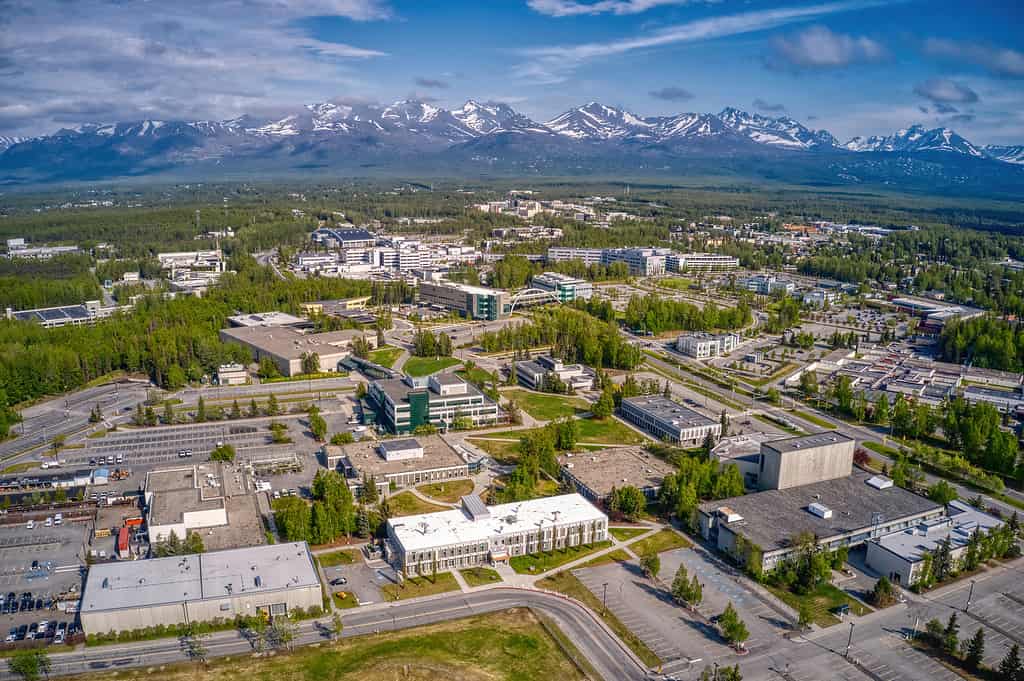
column 595, row 121
column 489, row 117
column 777, row 132
column 916, row 138
column 6, row 142
column 1007, row 154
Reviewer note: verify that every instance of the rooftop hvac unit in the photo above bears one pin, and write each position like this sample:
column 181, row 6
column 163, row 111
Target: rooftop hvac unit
column 730, row 515
column 879, row 482
column 820, row 510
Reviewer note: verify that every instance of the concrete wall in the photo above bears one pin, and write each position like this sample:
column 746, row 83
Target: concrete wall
column 885, row 562
column 805, row 466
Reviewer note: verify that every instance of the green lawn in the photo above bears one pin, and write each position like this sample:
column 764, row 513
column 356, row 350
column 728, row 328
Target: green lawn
column 610, row 431
column 477, row 376
column 665, row 540
column 822, row 601
column 542, row 562
column 675, row 283
column 616, row 556
column 415, row 587
column 626, row 533
column 568, row 584
column 345, row 600
column 479, row 576
column 407, row 503
column 424, row 366
column 503, row 452
column 343, row 557
column 879, row 448
column 386, row 356
column 547, row 407
column 450, row 491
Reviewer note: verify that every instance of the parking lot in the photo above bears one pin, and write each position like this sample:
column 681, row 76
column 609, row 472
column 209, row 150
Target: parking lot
column 363, row 580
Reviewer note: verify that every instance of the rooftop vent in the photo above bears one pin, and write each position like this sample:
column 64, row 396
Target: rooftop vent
column 879, row 482
column 820, row 510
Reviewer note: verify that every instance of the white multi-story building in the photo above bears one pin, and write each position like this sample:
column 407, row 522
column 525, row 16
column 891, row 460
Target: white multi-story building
column 644, row 262
column 820, row 297
column 533, row 373
column 768, row 284
column 476, row 534
column 588, row 256
column 705, row 345
column 565, row 287
column 704, row 262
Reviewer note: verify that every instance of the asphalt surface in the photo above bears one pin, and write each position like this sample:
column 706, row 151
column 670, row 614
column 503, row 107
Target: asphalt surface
column 604, row 651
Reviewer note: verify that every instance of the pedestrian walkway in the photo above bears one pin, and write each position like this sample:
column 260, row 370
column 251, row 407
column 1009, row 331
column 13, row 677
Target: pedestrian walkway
column 460, row 581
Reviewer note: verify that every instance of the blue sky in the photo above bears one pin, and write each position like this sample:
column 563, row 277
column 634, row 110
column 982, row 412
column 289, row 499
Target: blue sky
column 853, row 67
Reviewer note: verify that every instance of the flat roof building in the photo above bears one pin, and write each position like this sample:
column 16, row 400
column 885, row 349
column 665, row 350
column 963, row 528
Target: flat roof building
column 900, row 555
column 706, row 345
column 596, row 474
column 477, row 534
column 343, row 238
column 181, row 500
column 130, row 595
column 402, row 405
column 566, row 288
column 404, row 463
column 273, row 318
column 286, row 345
column 536, row 374
column 805, row 459
column 669, row 420
column 232, row 374
column 702, row 262
column 849, row 511
column 473, row 302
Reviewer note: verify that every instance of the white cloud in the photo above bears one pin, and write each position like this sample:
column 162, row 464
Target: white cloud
column 107, row 60
column 553, row 64
column 999, row 61
column 574, row 8
column 944, row 90
column 819, row 48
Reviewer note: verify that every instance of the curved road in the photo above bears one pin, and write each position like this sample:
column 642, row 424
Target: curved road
column 605, row 652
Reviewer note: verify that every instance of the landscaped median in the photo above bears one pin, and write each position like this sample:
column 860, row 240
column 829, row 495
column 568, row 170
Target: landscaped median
column 821, row 603
column 538, row 563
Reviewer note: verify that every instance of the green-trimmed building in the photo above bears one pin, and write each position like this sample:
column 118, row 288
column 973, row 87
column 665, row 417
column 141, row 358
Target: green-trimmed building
column 402, row 405
column 565, row 287
column 473, row 302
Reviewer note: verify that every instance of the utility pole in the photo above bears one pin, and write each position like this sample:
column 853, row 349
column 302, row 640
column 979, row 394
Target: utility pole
column 849, row 642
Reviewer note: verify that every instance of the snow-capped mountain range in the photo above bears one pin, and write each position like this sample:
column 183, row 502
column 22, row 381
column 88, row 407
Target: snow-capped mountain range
column 332, row 134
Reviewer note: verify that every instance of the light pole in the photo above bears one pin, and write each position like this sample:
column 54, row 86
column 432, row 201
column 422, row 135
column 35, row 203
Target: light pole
column 604, row 599
column 970, row 595
column 849, row 642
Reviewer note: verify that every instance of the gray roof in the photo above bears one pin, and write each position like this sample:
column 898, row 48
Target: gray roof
column 400, row 445
column 135, row 584
column 911, row 544
column 801, row 442
column 661, row 407
column 772, row 518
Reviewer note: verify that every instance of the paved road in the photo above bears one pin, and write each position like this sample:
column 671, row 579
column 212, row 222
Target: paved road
column 604, row 651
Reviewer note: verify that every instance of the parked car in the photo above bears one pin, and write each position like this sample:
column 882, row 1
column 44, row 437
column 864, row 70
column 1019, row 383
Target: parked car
column 12, row 635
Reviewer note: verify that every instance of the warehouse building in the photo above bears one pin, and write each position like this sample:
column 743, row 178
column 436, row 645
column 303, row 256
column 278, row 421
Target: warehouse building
column 273, row 318
column 473, row 302
column 131, row 595
column 596, row 475
column 566, row 288
column 476, row 534
column 668, row 420
column 900, row 555
column 401, row 405
column 398, row 463
column 534, row 373
column 286, row 345
column 707, row 345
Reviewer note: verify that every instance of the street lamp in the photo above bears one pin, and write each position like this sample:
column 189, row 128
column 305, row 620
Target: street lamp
column 970, row 596
column 849, row 642
column 604, row 598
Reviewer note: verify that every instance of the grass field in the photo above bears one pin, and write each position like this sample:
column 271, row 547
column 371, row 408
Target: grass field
column 822, row 601
column 477, row 376
column 480, row 576
column 537, row 563
column 675, row 283
column 450, row 491
column 416, row 587
column 616, row 556
column 547, row 407
column 626, row 533
column 502, row 452
column 665, row 540
column 343, row 557
column 386, row 356
column 811, row 418
column 610, row 431
column 424, row 366
column 503, row 646
column 568, row 584
column 407, row 503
